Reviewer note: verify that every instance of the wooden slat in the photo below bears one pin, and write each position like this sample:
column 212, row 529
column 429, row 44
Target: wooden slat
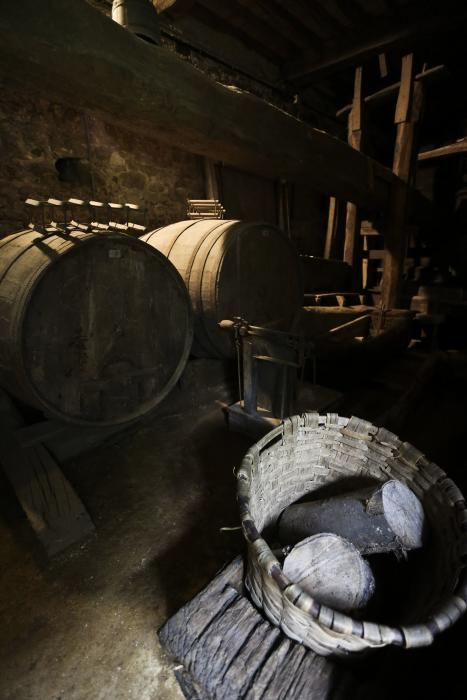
column 358, row 327
column 228, row 650
column 407, row 114
column 404, row 99
column 211, row 179
column 202, row 32
column 355, row 138
column 52, row 507
column 314, row 17
column 333, row 220
column 383, row 65
column 151, row 91
column 277, row 46
column 392, row 90
column 448, row 149
column 176, row 7
column 276, row 19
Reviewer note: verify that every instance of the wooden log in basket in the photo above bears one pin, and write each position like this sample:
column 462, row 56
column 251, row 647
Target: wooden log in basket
column 387, row 518
column 331, row 570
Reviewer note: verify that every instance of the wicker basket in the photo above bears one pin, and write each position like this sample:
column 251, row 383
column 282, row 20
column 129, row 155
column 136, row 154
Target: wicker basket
column 308, row 452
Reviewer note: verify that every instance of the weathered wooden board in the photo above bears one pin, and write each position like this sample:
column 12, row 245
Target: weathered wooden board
column 228, row 651
column 53, row 508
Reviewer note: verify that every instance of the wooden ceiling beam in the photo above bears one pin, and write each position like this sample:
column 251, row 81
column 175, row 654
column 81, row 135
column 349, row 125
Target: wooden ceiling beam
column 306, row 68
column 448, row 149
column 243, row 34
column 85, row 60
column 249, row 25
column 356, row 16
column 280, row 22
column 391, row 90
column 317, row 22
column 175, row 7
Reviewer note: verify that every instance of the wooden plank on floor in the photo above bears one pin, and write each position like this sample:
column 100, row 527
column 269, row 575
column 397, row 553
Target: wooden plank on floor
column 54, row 510
column 226, row 650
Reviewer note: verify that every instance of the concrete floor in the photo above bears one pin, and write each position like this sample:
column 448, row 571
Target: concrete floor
column 84, row 625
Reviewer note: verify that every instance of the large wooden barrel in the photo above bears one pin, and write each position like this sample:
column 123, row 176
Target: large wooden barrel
column 232, row 268
column 94, row 328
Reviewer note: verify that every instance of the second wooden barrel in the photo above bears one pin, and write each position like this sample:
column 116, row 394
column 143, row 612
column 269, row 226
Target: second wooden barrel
column 232, row 268
column 95, row 328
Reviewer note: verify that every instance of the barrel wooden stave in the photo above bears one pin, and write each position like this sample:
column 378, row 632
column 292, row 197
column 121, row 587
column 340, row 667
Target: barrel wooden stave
column 232, row 268
column 83, row 333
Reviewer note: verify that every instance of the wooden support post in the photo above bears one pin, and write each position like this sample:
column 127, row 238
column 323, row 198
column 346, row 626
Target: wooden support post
column 352, row 224
column 383, row 65
column 407, row 114
column 333, row 219
column 250, row 390
column 283, row 207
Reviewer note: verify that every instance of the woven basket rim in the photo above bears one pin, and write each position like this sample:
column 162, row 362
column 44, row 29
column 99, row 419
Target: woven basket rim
column 423, row 632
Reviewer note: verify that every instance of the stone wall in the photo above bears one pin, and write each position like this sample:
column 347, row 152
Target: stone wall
column 113, row 165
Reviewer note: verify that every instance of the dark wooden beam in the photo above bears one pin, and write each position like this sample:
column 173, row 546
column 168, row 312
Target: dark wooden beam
column 355, row 138
column 313, row 17
column 331, row 230
column 240, row 30
column 275, row 43
column 409, row 31
column 391, row 90
column 407, row 115
column 355, row 16
column 226, row 49
column 448, row 149
column 84, row 59
column 176, row 7
column 277, row 21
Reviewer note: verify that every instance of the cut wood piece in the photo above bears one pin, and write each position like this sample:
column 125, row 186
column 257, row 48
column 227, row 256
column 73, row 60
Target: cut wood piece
column 330, row 569
column 228, row 651
column 382, row 519
column 53, row 508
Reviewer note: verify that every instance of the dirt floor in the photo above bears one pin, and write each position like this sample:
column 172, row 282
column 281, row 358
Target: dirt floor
column 84, row 625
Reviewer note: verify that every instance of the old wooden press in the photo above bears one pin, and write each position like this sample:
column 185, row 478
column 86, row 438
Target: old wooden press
column 270, row 366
